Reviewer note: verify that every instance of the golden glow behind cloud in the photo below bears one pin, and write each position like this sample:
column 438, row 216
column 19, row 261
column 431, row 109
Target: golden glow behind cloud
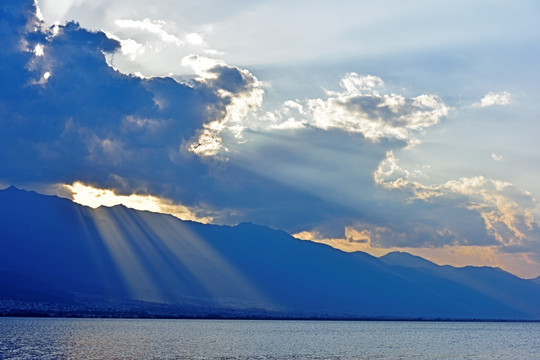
column 90, row 196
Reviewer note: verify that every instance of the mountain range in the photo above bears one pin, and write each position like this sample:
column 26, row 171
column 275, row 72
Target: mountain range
column 61, row 258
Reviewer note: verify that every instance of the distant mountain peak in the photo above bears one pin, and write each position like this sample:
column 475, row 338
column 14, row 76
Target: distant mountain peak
column 14, row 191
column 405, row 259
column 12, row 188
column 117, row 206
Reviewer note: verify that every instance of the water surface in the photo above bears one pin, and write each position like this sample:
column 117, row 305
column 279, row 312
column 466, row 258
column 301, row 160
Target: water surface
column 30, row 338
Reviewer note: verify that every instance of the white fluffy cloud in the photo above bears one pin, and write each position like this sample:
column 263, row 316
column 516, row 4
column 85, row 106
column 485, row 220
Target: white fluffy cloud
column 360, row 108
column 507, row 212
column 156, row 27
column 131, row 48
column 492, row 98
column 239, row 88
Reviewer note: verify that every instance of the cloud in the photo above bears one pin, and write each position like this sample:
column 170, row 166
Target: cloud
column 506, row 211
column 156, row 27
column 300, row 37
column 492, row 99
column 85, row 121
column 353, row 240
column 243, row 93
column 496, row 157
column 93, row 197
column 131, row 48
column 93, row 124
column 360, row 108
column 38, row 50
column 195, row 38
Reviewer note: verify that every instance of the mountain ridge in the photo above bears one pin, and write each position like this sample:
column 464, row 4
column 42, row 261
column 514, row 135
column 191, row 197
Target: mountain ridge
column 143, row 256
column 400, row 258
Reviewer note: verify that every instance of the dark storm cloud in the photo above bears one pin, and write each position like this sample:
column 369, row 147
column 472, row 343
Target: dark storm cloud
column 87, row 121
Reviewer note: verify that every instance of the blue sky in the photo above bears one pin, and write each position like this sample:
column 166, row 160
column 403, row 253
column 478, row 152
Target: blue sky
column 371, row 126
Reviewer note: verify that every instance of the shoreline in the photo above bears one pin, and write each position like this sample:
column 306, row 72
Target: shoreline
column 257, row 318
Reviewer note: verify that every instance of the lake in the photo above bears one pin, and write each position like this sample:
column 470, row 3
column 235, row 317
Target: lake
column 55, row 338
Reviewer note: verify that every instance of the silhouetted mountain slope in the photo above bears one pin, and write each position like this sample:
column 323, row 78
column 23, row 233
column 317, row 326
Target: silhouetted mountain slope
column 407, row 260
column 491, row 282
column 58, row 248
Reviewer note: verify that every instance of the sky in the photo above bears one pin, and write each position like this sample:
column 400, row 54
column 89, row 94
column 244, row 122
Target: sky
column 372, row 126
